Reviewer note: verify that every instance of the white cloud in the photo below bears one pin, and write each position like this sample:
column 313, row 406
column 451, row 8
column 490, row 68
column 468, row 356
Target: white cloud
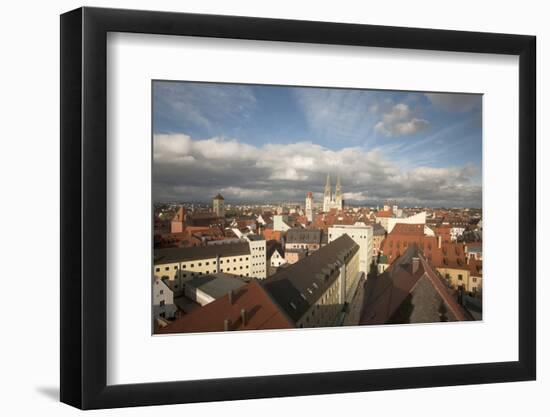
column 196, row 170
column 399, row 122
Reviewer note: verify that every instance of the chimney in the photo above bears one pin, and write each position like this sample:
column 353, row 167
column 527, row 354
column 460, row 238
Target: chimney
column 226, row 325
column 244, row 317
column 439, row 241
column 415, row 264
column 230, row 296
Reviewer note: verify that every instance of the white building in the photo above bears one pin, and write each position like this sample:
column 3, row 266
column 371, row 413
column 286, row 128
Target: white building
column 361, row 234
column 163, row 300
column 331, row 201
column 258, row 257
column 280, row 223
column 389, row 222
column 208, row 288
column 277, row 257
column 183, row 264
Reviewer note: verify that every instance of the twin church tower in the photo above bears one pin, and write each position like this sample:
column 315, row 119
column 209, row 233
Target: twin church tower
column 333, row 201
column 329, row 201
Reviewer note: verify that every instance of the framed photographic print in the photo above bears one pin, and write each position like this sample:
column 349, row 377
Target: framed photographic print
column 258, row 208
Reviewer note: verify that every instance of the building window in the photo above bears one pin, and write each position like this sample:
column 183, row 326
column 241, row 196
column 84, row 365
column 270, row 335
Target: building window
column 161, row 303
column 460, row 277
column 166, row 268
column 183, row 267
column 200, row 264
column 176, row 267
column 192, row 265
column 161, row 292
column 207, row 263
column 157, row 269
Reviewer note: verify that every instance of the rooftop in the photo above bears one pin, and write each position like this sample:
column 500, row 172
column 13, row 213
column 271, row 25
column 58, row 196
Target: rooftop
column 260, row 313
column 389, row 295
column 173, row 255
column 300, row 285
column 215, row 285
column 299, row 235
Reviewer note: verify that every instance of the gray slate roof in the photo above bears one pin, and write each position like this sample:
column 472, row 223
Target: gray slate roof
column 173, row 255
column 308, row 236
column 215, row 285
column 299, row 286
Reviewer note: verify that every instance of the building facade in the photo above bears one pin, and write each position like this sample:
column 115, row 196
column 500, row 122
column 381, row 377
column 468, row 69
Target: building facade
column 183, row 264
column 163, row 300
column 361, row 234
column 258, row 256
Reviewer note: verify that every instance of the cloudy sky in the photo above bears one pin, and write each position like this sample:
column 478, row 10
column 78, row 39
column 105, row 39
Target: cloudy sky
column 257, row 143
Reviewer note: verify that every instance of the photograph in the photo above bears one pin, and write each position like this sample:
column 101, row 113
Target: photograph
column 288, row 207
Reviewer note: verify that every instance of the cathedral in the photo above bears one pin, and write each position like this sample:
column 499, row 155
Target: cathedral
column 331, row 201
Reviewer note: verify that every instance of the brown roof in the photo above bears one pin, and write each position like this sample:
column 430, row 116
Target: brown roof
column 386, row 293
column 476, row 267
column 382, row 213
column 449, row 255
column 262, row 313
column 408, row 229
column 270, row 234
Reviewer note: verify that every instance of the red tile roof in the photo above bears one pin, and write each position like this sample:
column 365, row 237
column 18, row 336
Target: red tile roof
column 270, row 234
column 261, row 313
column 449, row 255
column 386, row 213
column 393, row 287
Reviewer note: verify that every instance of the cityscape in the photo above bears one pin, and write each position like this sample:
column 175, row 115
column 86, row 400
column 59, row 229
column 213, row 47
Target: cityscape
column 281, row 207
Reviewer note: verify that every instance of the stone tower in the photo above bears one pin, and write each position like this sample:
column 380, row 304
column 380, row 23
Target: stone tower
column 309, row 206
column 328, row 195
column 218, row 206
column 338, row 202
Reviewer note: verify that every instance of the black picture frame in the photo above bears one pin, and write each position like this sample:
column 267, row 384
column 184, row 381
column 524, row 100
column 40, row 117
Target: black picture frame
column 84, row 207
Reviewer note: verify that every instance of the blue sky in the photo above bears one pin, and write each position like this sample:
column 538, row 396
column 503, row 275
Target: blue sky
column 417, row 148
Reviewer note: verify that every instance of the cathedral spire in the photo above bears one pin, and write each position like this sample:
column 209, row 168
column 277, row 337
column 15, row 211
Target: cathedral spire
column 338, row 195
column 328, row 195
